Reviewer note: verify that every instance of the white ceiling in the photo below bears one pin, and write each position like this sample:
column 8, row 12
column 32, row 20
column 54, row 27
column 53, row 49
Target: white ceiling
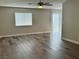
column 13, row 1
column 23, row 3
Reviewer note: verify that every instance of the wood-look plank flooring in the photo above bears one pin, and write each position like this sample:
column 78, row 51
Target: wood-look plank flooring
column 37, row 46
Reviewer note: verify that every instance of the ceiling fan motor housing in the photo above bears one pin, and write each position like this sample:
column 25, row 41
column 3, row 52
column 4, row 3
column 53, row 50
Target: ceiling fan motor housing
column 41, row 3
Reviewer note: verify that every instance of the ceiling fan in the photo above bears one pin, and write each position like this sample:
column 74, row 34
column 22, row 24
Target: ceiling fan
column 41, row 3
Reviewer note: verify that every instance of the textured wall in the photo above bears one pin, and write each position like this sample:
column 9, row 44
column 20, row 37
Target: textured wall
column 41, row 21
column 71, row 20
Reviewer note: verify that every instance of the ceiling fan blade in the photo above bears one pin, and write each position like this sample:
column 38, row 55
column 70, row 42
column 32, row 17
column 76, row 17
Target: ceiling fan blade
column 32, row 4
column 48, row 4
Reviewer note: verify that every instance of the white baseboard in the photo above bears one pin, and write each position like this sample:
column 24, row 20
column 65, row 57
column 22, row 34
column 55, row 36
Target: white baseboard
column 70, row 40
column 23, row 34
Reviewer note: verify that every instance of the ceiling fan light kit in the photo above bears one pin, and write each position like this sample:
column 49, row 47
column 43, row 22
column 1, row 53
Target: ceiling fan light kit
column 40, row 7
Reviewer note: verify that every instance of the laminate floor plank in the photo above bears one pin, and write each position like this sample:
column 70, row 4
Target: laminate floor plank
column 37, row 46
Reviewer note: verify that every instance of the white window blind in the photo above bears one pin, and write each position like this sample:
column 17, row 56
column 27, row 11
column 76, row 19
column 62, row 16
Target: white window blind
column 23, row 19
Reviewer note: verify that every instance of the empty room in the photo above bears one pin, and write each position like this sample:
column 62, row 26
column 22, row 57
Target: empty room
column 39, row 29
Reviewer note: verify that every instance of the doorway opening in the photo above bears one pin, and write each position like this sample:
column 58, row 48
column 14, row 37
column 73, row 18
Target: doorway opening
column 57, row 24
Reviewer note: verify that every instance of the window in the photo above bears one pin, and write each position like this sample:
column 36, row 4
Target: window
column 23, row 19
